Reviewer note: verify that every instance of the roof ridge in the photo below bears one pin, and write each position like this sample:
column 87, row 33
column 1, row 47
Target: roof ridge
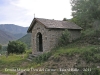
column 48, row 19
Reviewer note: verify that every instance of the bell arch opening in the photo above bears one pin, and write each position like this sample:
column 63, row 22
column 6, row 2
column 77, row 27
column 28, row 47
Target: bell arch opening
column 39, row 42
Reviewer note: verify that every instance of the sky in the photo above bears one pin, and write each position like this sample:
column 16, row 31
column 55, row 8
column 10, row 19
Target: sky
column 22, row 12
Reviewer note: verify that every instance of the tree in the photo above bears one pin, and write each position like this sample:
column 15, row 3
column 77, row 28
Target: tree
column 64, row 19
column 0, row 47
column 16, row 47
column 85, row 12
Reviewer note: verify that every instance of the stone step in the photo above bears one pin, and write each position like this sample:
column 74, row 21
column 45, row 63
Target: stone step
column 29, row 59
column 31, row 56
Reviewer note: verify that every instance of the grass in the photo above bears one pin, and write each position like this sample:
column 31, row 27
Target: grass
column 72, row 50
column 12, row 58
column 15, row 61
column 11, row 62
column 88, row 53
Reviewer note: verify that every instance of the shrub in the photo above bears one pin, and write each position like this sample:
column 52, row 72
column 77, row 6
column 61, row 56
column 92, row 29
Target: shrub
column 92, row 55
column 42, row 58
column 0, row 47
column 64, row 39
column 91, row 36
column 16, row 47
column 88, row 32
column 95, row 71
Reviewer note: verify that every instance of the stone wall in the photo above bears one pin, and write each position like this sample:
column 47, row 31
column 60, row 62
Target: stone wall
column 53, row 36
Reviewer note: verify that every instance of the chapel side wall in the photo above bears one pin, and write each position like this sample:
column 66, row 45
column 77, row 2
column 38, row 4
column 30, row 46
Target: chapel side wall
column 55, row 34
column 53, row 37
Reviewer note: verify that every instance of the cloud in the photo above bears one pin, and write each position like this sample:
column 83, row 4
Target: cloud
column 21, row 12
column 47, row 8
column 12, row 14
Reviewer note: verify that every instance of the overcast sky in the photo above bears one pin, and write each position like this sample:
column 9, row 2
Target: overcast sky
column 21, row 12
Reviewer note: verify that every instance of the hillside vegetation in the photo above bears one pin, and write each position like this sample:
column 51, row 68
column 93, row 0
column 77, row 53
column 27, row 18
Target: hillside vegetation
column 82, row 54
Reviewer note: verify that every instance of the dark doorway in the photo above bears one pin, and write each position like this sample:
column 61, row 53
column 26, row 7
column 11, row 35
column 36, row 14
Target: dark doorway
column 21, row 74
column 39, row 42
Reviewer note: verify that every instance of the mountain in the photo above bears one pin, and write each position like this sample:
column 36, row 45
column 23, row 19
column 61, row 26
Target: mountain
column 26, row 39
column 11, row 32
column 5, row 37
column 14, row 29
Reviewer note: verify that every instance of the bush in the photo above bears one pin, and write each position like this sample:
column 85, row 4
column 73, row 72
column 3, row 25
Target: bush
column 88, row 32
column 0, row 47
column 92, row 55
column 91, row 36
column 64, row 39
column 94, row 71
column 42, row 58
column 16, row 47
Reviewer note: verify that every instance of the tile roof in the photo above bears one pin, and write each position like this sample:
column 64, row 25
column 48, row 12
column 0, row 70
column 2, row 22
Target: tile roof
column 54, row 24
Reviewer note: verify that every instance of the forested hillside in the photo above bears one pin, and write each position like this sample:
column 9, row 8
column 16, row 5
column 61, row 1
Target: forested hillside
column 26, row 39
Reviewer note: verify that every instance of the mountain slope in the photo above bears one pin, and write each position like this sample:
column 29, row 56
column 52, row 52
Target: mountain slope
column 26, row 39
column 10, row 32
column 5, row 37
column 14, row 29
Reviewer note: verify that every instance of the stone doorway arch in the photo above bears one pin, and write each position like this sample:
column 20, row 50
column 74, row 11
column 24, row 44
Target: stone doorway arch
column 39, row 42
